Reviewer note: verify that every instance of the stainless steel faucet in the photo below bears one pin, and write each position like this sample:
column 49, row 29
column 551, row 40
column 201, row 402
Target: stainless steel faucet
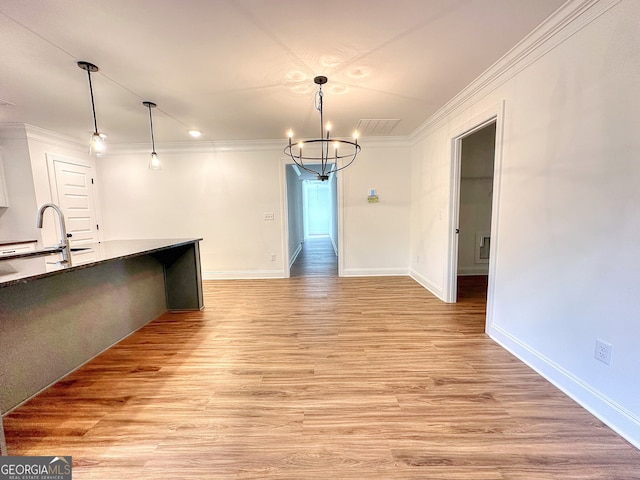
column 64, row 238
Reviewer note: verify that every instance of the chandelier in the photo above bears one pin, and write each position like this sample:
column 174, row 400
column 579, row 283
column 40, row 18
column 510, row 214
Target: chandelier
column 320, row 156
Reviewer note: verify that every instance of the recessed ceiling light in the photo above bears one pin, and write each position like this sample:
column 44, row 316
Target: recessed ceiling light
column 296, row 76
column 195, row 133
column 359, row 72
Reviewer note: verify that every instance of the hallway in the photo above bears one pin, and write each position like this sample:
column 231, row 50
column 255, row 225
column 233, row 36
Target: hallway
column 317, row 259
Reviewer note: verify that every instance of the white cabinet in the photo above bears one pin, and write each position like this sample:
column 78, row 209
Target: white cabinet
column 13, row 248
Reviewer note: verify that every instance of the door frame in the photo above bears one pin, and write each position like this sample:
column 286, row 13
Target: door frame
column 53, row 185
column 285, row 218
column 478, row 122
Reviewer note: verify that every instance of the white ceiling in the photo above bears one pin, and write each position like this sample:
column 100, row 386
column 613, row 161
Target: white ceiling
column 243, row 69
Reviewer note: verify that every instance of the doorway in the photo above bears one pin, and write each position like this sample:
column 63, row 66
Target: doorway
column 73, row 190
column 312, row 224
column 486, row 173
column 477, row 162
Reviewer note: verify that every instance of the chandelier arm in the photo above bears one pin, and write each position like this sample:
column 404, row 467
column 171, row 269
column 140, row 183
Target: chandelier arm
column 299, row 163
column 350, row 162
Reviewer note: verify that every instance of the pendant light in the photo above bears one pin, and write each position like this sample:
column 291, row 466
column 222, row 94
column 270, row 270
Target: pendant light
column 326, row 149
column 97, row 144
column 154, row 162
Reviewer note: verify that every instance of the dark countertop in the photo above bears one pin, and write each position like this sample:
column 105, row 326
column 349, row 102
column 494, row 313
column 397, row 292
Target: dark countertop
column 15, row 242
column 22, row 270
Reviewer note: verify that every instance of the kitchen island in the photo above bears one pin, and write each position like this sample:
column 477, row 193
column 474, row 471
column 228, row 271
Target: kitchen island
column 55, row 317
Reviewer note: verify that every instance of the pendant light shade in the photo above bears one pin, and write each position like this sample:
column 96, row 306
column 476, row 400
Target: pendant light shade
column 97, row 145
column 154, row 162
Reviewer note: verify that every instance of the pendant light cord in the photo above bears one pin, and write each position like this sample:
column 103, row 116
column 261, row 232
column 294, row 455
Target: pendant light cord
column 93, row 107
column 153, row 142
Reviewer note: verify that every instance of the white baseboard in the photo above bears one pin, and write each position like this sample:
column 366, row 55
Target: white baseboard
column 619, row 419
column 294, row 257
column 243, row 275
column 375, row 272
column 428, row 284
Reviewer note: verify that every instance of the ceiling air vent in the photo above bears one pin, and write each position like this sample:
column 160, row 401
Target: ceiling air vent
column 376, row 126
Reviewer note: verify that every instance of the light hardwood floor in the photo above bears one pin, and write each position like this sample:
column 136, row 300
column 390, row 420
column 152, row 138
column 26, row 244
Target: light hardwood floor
column 317, row 258
column 316, row 378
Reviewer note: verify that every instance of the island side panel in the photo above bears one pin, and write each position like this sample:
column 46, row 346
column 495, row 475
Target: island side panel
column 51, row 326
column 183, row 277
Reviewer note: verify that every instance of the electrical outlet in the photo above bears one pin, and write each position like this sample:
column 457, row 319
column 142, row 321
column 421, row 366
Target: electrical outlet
column 273, row 257
column 269, row 216
column 603, row 351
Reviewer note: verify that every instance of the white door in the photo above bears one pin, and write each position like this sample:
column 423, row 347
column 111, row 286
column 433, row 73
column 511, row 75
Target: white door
column 74, row 185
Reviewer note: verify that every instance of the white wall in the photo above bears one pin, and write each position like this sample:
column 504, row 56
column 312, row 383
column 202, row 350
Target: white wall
column 565, row 248
column 222, row 195
column 25, row 151
column 219, row 195
column 18, row 221
column 318, row 207
column 376, row 235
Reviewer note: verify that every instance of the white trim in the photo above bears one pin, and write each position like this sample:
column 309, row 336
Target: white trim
column 242, row 274
column 376, row 272
column 618, row 418
column 340, row 213
column 197, row 147
column 569, row 19
column 54, row 196
column 428, row 284
column 284, row 214
column 294, row 257
column 31, row 132
column 200, row 146
column 489, row 116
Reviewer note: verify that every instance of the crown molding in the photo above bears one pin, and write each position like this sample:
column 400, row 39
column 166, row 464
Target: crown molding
column 276, row 146
column 24, row 131
column 13, row 131
column 569, row 19
column 32, row 133
column 52, row 138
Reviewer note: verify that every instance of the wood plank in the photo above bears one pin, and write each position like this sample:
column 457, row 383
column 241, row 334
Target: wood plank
column 317, row 258
column 317, row 377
